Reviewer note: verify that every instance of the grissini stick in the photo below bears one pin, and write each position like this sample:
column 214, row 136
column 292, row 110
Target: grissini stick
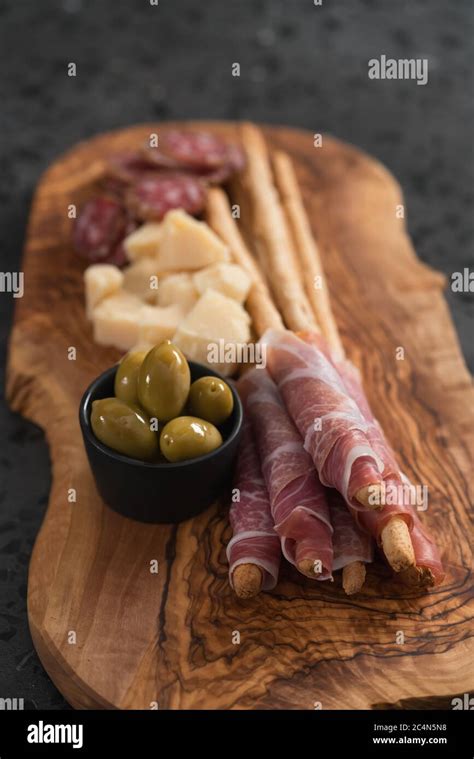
column 272, row 235
column 259, row 304
column 353, row 577
column 395, row 537
column 281, row 255
column 307, row 250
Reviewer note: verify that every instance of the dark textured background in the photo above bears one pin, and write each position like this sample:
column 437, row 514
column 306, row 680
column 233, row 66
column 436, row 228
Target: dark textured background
column 300, row 65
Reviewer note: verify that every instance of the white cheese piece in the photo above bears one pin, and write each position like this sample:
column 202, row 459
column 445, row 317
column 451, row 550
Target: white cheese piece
column 177, row 289
column 229, row 279
column 144, row 242
column 116, row 320
column 188, row 244
column 141, row 279
column 216, row 324
column 158, row 324
column 100, row 281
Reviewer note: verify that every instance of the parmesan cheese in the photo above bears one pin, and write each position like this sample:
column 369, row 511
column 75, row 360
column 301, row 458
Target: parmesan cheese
column 157, row 324
column 116, row 320
column 141, row 279
column 144, row 242
column 229, row 279
column 177, row 289
column 187, row 244
column 215, row 320
column 100, row 281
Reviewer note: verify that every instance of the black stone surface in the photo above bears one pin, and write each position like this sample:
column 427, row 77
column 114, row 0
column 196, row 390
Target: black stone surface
column 301, row 65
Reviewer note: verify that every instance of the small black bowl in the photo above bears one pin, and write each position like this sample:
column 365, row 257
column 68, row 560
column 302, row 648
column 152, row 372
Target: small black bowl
column 163, row 492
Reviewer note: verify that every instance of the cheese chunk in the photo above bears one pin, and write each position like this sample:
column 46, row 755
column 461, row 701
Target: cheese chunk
column 100, row 281
column 177, row 289
column 188, row 244
column 116, row 320
column 214, row 325
column 141, row 279
column 228, row 279
column 144, row 242
column 158, row 324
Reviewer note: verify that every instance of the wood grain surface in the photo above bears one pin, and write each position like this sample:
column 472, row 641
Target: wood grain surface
column 142, row 638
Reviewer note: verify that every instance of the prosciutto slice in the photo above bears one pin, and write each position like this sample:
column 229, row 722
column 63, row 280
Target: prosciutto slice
column 254, row 539
column 426, row 553
column 351, row 543
column 333, row 429
column 298, row 500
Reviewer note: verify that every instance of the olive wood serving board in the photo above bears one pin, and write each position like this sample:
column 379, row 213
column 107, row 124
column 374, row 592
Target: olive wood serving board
column 170, row 639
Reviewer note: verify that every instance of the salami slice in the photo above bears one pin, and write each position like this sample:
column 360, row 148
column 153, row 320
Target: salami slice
column 128, row 167
column 297, row 498
column 213, row 173
column 99, row 228
column 150, row 198
column 194, row 149
column 254, row 539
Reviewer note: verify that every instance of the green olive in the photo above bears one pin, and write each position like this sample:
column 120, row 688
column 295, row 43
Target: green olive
column 163, row 382
column 187, row 437
column 125, row 428
column 211, row 398
column 126, row 378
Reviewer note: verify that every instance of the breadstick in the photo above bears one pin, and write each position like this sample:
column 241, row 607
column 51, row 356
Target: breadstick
column 307, row 250
column 353, row 577
column 259, row 303
column 395, row 537
column 271, row 232
column 247, row 579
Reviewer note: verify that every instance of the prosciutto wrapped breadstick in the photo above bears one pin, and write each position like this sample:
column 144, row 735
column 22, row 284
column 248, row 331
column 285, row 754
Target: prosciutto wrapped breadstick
column 329, row 421
column 297, row 498
column 407, row 546
column 254, row 551
column 353, row 548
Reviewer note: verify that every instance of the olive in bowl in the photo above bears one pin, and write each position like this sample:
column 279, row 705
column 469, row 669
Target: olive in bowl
column 211, row 398
column 159, row 491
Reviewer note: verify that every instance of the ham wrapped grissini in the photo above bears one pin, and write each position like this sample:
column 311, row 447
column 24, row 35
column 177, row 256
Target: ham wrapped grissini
column 254, row 550
column 297, row 498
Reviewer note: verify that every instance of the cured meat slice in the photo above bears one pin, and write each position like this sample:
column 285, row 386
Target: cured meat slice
column 331, row 425
column 194, row 149
column 297, row 498
column 151, row 197
column 230, row 159
column 427, row 554
column 128, row 167
column 349, row 541
column 99, row 228
column 254, row 539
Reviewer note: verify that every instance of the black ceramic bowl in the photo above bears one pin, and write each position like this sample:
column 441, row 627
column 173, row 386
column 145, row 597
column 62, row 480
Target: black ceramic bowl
column 159, row 492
